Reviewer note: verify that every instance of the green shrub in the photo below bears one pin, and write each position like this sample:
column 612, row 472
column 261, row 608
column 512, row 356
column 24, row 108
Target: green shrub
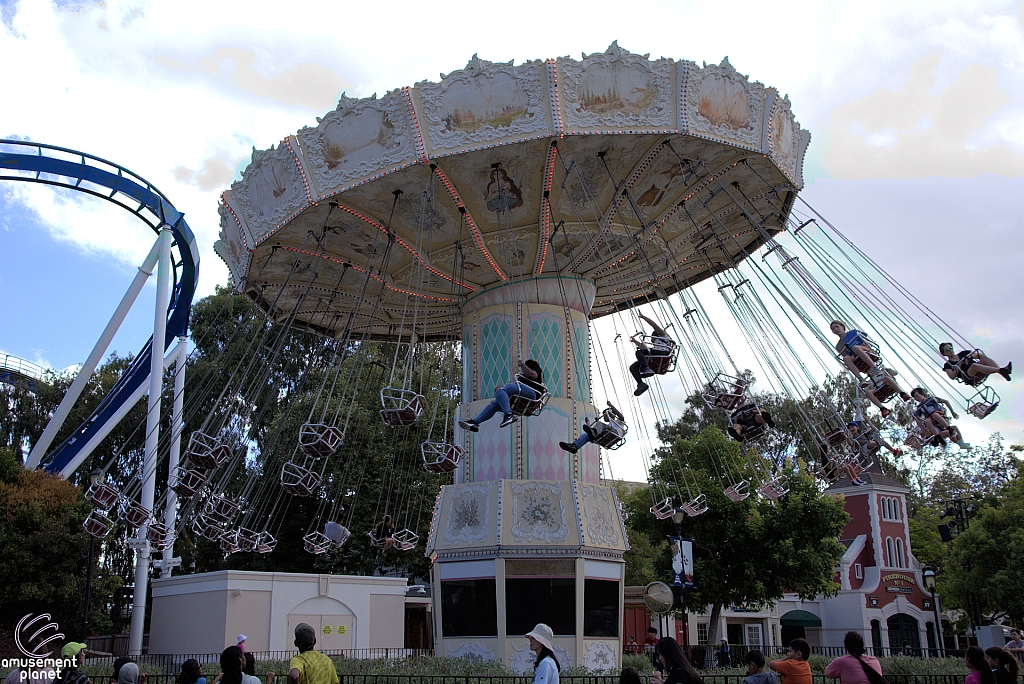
column 640, row 663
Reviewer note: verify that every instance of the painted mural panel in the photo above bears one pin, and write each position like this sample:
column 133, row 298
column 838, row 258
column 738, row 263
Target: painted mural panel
column 724, row 104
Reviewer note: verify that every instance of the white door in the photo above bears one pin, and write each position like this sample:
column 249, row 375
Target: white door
column 753, row 636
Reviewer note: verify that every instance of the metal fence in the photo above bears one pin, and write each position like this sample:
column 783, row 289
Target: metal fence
column 169, row 663
column 281, row 678
column 707, row 656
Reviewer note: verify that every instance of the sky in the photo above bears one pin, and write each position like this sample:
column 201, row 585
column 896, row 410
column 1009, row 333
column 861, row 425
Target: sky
column 916, row 111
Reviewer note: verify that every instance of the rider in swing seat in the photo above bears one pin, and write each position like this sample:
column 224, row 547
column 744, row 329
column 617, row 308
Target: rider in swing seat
column 384, row 531
column 933, row 416
column 879, row 379
column 867, row 439
column 748, row 418
column 971, row 367
column 661, row 345
column 611, row 420
column 530, row 370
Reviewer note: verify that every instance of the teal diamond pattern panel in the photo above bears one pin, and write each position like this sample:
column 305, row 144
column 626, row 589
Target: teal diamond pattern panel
column 581, row 362
column 495, row 354
column 546, row 349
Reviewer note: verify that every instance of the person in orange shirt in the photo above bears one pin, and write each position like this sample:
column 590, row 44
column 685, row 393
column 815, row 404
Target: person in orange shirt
column 794, row 669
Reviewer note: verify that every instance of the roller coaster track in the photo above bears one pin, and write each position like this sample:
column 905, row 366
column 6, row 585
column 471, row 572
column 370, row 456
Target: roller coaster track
column 56, row 166
column 21, row 373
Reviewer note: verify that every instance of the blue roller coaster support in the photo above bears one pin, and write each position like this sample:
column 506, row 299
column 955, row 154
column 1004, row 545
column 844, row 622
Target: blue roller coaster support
column 36, row 163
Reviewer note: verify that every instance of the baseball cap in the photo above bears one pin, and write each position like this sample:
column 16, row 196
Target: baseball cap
column 543, row 634
column 304, row 634
column 71, row 649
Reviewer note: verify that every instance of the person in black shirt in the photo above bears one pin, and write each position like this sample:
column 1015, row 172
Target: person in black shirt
column 1004, row 665
column 971, row 367
column 384, row 531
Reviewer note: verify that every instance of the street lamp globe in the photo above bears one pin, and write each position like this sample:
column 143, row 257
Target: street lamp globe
column 929, row 580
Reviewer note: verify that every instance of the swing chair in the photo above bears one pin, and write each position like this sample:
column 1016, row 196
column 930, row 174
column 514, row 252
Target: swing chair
column 229, row 543
column 299, row 480
column 375, row 541
column 609, row 434
column 186, row 482
column 337, row 533
column 440, row 457
column 521, row 405
column 158, row 534
column 405, row 539
column 134, row 514
column 663, row 352
column 402, row 407
column 738, row 491
column 316, row 543
column 724, row 392
column 696, row 507
column 753, row 430
column 206, row 452
column 265, row 542
column 983, row 403
column 97, row 524
column 103, row 496
column 320, row 441
column 873, row 353
column 247, row 539
column 221, row 508
column 774, row 488
column 208, row 528
column 663, row 509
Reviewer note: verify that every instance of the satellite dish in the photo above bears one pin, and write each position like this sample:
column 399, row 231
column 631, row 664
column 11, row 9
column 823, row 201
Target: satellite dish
column 659, row 598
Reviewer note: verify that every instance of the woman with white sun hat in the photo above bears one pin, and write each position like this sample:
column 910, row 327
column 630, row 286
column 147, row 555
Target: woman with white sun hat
column 546, row 668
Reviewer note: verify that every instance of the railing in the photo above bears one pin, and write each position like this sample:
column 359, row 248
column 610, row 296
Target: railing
column 170, row 663
column 281, row 678
column 19, row 366
column 706, row 656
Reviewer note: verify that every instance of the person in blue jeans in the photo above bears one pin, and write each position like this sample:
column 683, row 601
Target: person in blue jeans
column 530, row 370
column 611, row 420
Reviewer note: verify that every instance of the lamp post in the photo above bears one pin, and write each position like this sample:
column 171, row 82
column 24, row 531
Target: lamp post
column 929, row 584
column 95, row 477
column 677, row 589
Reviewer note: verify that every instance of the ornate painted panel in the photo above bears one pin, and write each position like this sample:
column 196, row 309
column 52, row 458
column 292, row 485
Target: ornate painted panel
column 722, row 104
column 483, row 105
column 544, row 459
column 544, row 345
column 272, row 191
column 787, row 141
column 616, row 90
column 539, row 512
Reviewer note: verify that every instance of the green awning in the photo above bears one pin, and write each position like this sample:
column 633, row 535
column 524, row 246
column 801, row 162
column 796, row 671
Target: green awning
column 800, row 618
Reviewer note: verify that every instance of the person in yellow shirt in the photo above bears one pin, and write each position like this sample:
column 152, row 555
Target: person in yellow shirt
column 794, row 669
column 310, row 666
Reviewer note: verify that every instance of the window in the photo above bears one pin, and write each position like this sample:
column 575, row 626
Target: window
column 890, row 553
column 891, row 509
column 551, row 600
column 900, row 559
column 600, row 608
column 469, row 608
column 702, row 633
column 753, row 636
column 858, row 571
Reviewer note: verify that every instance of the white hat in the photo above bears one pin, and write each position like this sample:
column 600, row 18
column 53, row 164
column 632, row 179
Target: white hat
column 543, row 634
column 241, row 638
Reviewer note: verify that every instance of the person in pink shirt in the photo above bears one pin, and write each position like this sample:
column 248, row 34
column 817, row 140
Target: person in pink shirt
column 849, row 669
column 981, row 673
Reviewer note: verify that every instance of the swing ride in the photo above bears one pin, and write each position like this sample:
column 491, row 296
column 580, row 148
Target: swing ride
column 485, row 222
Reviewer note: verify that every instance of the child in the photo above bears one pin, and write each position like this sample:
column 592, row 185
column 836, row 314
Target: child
column 613, row 421
column 932, row 415
column 852, row 344
column 971, row 367
column 532, row 372
column 755, row 669
column 795, row 669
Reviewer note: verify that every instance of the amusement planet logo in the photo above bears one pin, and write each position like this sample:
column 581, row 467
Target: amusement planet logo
column 37, row 637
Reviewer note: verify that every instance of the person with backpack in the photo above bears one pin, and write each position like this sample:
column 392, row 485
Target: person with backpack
column 853, row 667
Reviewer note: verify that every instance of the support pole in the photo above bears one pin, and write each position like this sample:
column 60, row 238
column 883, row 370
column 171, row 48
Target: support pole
column 170, row 511
column 66, row 404
column 156, row 376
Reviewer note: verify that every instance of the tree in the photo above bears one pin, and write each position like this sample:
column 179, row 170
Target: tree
column 986, row 561
column 749, row 552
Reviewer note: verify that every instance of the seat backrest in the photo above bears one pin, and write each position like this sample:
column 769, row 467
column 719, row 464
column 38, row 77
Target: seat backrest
column 537, row 387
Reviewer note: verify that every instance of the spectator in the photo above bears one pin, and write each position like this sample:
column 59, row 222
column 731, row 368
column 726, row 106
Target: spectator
column 671, row 658
column 629, row 675
column 75, row 651
column 129, row 674
column 652, row 637
column 755, row 669
column 249, row 670
column 852, row 668
column 908, row 650
column 240, row 673
column 980, row 672
column 310, row 666
column 1016, row 644
column 723, row 655
column 545, row 669
column 32, row 674
column 191, row 673
column 1004, row 665
column 794, row 668
column 632, row 648
column 118, row 664
column 241, row 642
